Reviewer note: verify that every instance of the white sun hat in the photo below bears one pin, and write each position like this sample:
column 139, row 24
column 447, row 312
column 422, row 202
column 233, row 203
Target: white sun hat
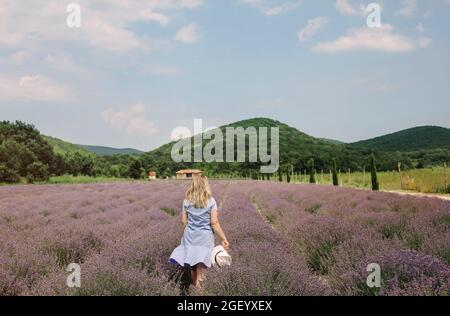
column 220, row 257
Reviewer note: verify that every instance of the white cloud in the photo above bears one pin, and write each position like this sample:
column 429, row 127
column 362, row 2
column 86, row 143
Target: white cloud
column 272, row 9
column 157, row 17
column 346, row 8
column 408, row 9
column 32, row 88
column 281, row 9
column 131, row 120
column 188, row 34
column 63, row 63
column 381, row 39
column 108, row 36
column 311, row 28
column 105, row 23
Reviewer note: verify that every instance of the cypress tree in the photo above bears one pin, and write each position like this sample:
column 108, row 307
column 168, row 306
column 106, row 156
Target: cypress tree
column 335, row 173
column 312, row 178
column 375, row 184
column 135, row 170
column 288, row 175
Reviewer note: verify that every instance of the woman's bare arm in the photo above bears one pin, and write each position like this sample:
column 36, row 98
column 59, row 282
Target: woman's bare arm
column 184, row 219
column 218, row 229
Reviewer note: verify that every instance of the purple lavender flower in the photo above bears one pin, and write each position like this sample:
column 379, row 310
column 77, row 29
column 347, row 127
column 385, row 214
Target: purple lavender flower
column 285, row 239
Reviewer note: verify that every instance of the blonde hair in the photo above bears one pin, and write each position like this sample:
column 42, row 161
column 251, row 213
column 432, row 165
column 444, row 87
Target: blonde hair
column 200, row 192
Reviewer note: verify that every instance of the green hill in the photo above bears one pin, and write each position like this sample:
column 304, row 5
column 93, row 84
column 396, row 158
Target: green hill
column 109, row 151
column 26, row 153
column 332, row 141
column 62, row 147
column 413, row 139
column 296, row 148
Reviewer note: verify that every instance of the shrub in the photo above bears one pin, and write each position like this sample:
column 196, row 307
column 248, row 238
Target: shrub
column 37, row 171
column 403, row 273
column 317, row 241
column 8, row 175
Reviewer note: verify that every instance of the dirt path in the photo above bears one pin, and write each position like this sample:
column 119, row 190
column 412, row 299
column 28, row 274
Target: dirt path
column 445, row 197
column 261, row 213
column 430, row 195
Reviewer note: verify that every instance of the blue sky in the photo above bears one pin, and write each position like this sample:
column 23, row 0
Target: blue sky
column 135, row 70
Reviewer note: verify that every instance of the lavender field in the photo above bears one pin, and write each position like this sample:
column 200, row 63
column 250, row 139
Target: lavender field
column 285, row 239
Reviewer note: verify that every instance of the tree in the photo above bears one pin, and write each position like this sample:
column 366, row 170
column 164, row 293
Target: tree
column 58, row 167
column 87, row 166
column 136, row 169
column 16, row 156
column 73, row 162
column 78, row 163
column 420, row 165
column 21, row 145
column 114, row 171
column 288, row 175
column 8, row 175
column 37, row 171
column 375, row 184
column 280, row 175
column 312, row 178
column 335, row 173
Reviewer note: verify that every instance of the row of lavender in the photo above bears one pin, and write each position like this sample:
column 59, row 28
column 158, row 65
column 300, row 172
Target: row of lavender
column 341, row 231
column 320, row 241
column 264, row 262
column 122, row 235
column 118, row 233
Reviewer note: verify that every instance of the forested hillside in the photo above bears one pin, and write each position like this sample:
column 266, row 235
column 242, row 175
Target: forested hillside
column 413, row 139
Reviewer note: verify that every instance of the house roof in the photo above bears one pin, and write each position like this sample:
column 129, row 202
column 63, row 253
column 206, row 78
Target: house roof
column 186, row 171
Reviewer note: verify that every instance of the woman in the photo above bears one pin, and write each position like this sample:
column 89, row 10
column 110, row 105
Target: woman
column 199, row 223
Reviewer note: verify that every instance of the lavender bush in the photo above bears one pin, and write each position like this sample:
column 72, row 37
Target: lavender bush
column 403, row 273
column 340, row 231
column 264, row 262
column 286, row 240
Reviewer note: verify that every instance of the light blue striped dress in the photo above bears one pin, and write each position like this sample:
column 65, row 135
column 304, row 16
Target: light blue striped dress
column 198, row 238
